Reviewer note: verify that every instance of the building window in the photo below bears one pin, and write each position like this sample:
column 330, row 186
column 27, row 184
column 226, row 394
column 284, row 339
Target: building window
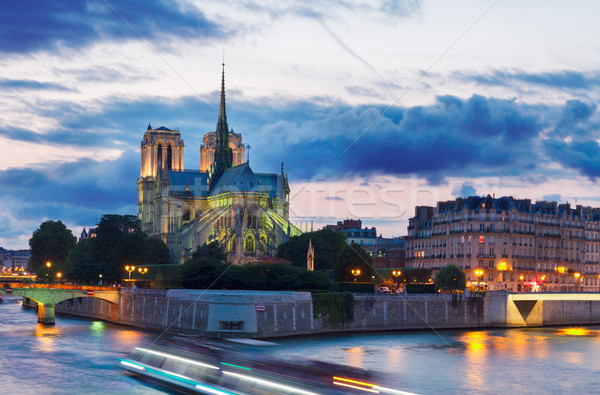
column 481, row 238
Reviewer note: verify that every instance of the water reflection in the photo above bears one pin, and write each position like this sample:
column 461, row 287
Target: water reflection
column 97, row 327
column 355, row 356
column 575, row 332
column 46, row 336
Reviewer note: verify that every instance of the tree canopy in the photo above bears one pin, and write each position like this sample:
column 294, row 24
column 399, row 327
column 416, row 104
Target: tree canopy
column 353, row 257
column 211, row 250
column 50, row 243
column 450, row 278
column 119, row 241
column 210, row 273
column 327, row 245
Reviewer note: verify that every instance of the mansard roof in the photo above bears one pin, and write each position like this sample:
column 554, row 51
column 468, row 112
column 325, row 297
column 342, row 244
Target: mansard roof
column 508, row 203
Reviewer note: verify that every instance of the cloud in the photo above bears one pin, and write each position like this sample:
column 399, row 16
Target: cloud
column 565, row 79
column 583, row 156
column 9, row 84
column 454, row 136
column 335, row 198
column 27, row 26
column 573, row 121
column 553, row 198
column 76, row 192
column 467, row 189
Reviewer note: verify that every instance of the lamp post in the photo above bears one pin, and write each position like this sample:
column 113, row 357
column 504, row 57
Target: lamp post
column 479, row 274
column 59, row 275
column 48, row 265
column 396, row 273
column 521, row 278
column 355, row 273
column 577, row 275
column 129, row 269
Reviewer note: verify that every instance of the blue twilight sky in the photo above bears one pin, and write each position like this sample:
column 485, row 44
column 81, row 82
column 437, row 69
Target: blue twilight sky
column 374, row 106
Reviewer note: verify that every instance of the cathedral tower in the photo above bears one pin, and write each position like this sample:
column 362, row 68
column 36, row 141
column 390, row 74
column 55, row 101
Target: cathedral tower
column 162, row 150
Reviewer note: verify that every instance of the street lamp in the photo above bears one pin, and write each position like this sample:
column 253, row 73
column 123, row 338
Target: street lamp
column 143, row 270
column 577, row 275
column 59, row 275
column 48, row 265
column 129, row 269
column 396, row 273
column 355, row 273
column 479, row 274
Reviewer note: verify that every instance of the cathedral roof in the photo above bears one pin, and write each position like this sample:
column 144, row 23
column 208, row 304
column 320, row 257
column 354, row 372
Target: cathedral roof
column 239, row 178
column 188, row 182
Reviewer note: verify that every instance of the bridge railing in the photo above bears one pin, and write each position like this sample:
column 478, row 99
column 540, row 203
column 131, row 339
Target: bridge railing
column 64, row 286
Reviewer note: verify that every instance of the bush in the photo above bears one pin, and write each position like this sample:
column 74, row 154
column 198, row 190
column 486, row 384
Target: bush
column 420, row 288
column 450, row 278
column 364, row 288
column 336, row 308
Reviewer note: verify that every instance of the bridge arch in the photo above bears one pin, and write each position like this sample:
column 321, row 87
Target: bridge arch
column 48, row 298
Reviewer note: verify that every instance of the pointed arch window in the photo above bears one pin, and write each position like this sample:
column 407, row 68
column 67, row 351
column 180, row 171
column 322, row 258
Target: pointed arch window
column 249, row 244
column 169, row 157
column 159, row 156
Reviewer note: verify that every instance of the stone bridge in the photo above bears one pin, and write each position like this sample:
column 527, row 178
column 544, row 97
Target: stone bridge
column 47, row 298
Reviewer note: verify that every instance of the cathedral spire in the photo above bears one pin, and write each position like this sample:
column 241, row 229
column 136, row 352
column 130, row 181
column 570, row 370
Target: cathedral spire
column 222, row 122
column 223, row 156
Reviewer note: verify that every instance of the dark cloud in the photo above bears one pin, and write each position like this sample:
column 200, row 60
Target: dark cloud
column 8, row 84
column 567, row 79
column 574, row 119
column 584, row 156
column 76, row 192
column 33, row 25
column 453, row 137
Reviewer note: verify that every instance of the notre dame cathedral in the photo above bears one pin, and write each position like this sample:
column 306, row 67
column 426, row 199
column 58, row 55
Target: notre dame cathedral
column 224, row 201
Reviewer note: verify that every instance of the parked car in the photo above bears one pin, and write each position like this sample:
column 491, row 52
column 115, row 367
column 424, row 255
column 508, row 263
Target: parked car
column 383, row 290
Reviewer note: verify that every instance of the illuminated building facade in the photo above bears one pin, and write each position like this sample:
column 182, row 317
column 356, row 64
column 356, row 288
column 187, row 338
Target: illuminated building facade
column 224, row 201
column 508, row 243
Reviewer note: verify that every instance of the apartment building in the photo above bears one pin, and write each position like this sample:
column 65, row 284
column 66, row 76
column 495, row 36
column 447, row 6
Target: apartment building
column 508, row 243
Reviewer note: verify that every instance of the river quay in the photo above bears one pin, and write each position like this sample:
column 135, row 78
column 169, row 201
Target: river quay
column 259, row 314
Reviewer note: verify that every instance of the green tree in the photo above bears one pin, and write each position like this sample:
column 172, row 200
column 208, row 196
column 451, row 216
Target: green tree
column 210, row 250
column 201, row 273
column 450, row 278
column 417, row 275
column 353, row 257
column 327, row 244
column 209, row 273
column 50, row 243
column 119, row 241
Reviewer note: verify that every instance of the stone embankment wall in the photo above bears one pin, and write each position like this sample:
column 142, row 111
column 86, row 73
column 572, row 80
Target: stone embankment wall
column 273, row 314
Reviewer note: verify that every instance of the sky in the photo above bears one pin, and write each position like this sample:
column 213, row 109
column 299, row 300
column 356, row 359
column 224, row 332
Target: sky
column 374, row 107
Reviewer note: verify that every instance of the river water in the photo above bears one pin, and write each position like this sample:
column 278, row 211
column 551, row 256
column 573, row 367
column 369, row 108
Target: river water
column 79, row 356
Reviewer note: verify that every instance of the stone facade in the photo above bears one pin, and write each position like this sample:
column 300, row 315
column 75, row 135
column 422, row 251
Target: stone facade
column 516, row 244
